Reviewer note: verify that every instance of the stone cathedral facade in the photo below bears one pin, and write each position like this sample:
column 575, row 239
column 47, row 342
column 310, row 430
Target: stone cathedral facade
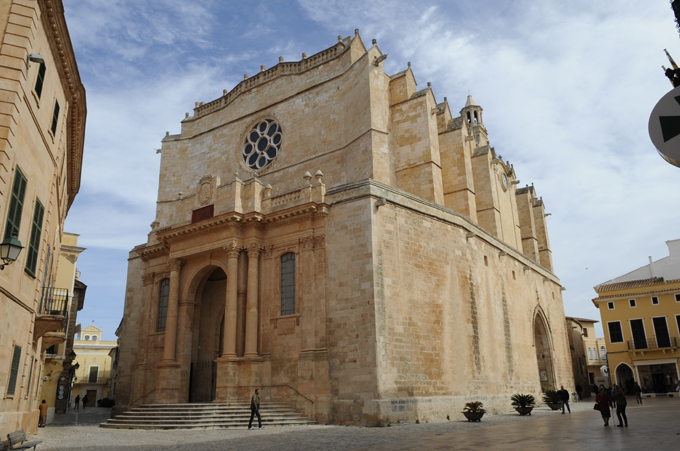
column 340, row 239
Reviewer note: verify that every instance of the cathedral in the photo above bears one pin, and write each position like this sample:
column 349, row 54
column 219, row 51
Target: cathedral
column 336, row 237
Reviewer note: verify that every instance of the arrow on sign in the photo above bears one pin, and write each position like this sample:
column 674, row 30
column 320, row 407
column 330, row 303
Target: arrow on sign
column 670, row 125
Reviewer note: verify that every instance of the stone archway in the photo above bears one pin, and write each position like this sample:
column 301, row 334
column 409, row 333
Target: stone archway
column 208, row 330
column 625, row 378
column 544, row 353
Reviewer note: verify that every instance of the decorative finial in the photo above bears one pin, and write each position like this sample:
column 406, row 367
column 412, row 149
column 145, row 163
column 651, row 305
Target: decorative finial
column 409, row 64
column 186, row 115
column 280, row 59
column 429, row 85
column 375, row 42
column 262, row 68
column 445, row 100
column 339, row 38
column 167, row 133
column 197, row 103
column 319, row 176
column 304, row 55
column 245, row 76
column 356, row 32
column 307, row 177
column 224, row 92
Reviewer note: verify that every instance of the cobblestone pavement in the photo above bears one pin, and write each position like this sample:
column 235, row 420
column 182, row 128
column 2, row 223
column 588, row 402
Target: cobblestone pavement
column 653, row 425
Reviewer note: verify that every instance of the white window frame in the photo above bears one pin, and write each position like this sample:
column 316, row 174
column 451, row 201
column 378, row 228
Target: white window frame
column 610, row 305
column 604, row 359
column 89, row 371
column 653, row 327
column 632, row 303
column 644, row 328
column 677, row 323
column 590, row 354
column 657, row 300
column 623, row 337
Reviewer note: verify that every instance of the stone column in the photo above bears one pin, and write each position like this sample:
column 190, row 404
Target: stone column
column 171, row 319
column 230, row 311
column 252, row 301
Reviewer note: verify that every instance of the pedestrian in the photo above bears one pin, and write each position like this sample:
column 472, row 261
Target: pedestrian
column 603, row 403
column 620, row 406
column 77, row 401
column 610, row 394
column 564, row 396
column 595, row 389
column 579, row 390
column 85, row 400
column 255, row 410
column 638, row 393
column 43, row 414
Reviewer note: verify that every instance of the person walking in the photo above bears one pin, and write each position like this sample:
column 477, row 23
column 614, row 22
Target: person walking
column 564, row 396
column 77, row 402
column 603, row 403
column 85, row 399
column 620, row 406
column 255, row 410
column 43, row 414
column 638, row 393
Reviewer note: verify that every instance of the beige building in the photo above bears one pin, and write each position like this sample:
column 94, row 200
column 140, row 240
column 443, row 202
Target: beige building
column 577, row 328
column 42, row 126
column 58, row 372
column 341, row 239
column 93, row 376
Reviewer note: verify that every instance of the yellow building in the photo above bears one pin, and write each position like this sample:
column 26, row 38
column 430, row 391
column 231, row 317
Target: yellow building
column 42, row 127
column 640, row 313
column 57, row 372
column 94, row 365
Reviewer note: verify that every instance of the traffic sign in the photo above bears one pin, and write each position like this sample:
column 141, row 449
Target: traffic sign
column 664, row 127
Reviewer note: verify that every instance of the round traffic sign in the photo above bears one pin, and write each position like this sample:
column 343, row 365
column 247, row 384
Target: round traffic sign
column 664, row 127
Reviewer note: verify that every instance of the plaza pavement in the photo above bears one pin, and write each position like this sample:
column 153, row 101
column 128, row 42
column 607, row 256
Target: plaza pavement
column 653, row 426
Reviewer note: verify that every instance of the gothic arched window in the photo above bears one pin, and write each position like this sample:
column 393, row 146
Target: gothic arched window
column 288, row 284
column 163, row 304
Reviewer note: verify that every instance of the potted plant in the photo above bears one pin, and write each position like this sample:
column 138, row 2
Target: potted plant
column 552, row 399
column 473, row 411
column 524, row 404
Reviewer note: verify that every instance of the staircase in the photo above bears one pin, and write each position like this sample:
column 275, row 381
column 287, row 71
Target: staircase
column 193, row 416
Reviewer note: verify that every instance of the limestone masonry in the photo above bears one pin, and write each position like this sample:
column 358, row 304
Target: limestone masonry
column 338, row 238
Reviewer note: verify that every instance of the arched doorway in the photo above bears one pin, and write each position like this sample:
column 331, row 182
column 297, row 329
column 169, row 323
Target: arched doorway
column 208, row 333
column 544, row 354
column 625, row 378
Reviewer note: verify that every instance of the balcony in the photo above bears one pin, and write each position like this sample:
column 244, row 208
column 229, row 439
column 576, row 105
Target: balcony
column 653, row 344
column 51, row 317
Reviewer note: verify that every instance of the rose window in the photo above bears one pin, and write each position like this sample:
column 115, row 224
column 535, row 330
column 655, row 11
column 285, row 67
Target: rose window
column 262, row 144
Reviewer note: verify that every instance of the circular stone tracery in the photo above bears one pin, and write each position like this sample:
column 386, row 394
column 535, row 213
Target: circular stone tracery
column 262, row 144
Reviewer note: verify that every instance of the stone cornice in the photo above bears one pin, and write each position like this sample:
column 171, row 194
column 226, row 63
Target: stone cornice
column 54, row 24
column 153, row 251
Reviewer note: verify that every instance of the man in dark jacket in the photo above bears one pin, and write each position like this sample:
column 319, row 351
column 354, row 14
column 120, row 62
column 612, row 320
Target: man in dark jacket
column 255, row 410
column 564, row 396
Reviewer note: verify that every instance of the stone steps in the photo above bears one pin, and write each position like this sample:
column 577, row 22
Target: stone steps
column 190, row 416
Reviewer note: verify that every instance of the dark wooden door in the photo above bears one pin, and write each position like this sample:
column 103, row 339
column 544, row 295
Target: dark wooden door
column 91, row 398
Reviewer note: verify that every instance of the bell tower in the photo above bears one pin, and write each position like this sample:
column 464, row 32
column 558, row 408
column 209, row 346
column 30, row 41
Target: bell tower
column 472, row 115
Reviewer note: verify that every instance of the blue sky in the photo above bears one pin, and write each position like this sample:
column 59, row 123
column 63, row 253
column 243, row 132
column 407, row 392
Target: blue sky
column 566, row 87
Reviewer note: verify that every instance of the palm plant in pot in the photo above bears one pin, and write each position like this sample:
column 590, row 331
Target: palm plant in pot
column 553, row 399
column 523, row 404
column 474, row 411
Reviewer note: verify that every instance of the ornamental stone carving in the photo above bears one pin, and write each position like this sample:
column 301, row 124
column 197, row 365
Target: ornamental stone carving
column 254, row 250
column 307, row 243
column 205, row 190
column 148, row 277
column 232, row 249
column 320, row 241
column 175, row 264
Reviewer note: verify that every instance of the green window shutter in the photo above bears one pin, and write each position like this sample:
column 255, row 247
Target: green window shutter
column 34, row 244
column 94, row 375
column 16, row 205
column 14, row 372
column 40, row 80
column 55, row 118
column 30, row 375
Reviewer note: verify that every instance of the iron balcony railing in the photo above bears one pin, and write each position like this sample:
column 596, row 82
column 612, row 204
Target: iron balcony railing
column 652, row 343
column 54, row 301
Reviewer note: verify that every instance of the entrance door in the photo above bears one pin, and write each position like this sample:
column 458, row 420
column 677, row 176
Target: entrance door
column 203, row 376
column 663, row 339
column 543, row 354
column 91, row 398
column 638, row 330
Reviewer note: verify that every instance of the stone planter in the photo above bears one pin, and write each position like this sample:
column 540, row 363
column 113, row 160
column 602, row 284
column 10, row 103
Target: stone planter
column 473, row 416
column 524, row 410
column 554, row 405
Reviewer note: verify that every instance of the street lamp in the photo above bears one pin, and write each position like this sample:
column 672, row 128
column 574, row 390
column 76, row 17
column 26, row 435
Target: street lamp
column 9, row 251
